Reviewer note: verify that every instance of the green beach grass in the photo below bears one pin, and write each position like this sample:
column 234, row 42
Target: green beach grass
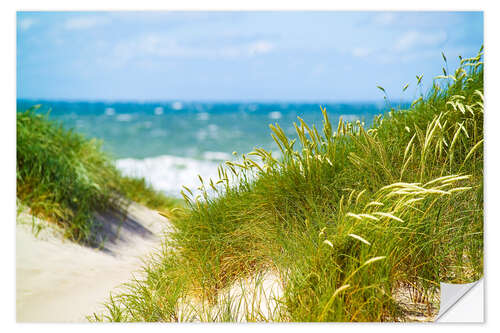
column 349, row 217
column 66, row 178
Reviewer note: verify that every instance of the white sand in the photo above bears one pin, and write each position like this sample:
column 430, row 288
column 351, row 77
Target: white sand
column 249, row 299
column 60, row 281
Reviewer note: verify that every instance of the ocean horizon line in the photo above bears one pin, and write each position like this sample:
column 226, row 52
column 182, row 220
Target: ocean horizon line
column 167, row 101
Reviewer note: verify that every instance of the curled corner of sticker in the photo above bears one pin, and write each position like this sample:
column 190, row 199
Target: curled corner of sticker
column 462, row 303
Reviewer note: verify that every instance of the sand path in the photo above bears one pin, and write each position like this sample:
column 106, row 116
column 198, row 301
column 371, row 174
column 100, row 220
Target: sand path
column 60, row 281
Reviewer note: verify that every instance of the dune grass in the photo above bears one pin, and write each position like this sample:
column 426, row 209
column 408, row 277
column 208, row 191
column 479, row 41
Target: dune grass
column 349, row 217
column 65, row 178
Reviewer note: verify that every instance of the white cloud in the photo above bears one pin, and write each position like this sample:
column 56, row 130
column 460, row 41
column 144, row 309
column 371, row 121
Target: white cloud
column 84, row 22
column 260, row 47
column 155, row 45
column 384, row 18
column 414, row 38
column 26, row 23
column 249, row 49
column 361, row 52
column 410, row 46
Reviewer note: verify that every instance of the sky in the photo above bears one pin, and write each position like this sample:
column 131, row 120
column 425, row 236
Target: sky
column 237, row 56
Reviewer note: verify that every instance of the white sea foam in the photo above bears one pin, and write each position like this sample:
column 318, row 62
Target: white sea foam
column 109, row 111
column 202, row 116
column 275, row 115
column 212, row 129
column 217, row 156
column 177, row 106
column 349, row 117
column 158, row 110
column 80, row 123
column 124, row 117
column 169, row 173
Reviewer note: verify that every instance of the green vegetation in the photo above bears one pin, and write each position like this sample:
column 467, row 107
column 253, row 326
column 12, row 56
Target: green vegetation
column 349, row 217
column 66, row 178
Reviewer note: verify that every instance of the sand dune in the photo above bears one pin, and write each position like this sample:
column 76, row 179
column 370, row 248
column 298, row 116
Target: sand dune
column 60, row 281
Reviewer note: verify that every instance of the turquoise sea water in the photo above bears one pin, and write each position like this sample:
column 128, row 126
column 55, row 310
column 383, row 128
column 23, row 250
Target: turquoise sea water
column 169, row 143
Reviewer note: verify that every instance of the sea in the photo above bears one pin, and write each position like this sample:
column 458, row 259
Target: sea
column 171, row 143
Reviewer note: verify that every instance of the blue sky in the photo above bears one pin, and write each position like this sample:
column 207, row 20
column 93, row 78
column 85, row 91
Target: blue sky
column 237, row 56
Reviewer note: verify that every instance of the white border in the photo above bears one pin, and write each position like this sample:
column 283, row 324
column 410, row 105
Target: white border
column 247, row 5
column 8, row 93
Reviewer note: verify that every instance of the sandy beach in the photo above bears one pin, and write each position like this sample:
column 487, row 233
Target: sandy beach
column 60, row 281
